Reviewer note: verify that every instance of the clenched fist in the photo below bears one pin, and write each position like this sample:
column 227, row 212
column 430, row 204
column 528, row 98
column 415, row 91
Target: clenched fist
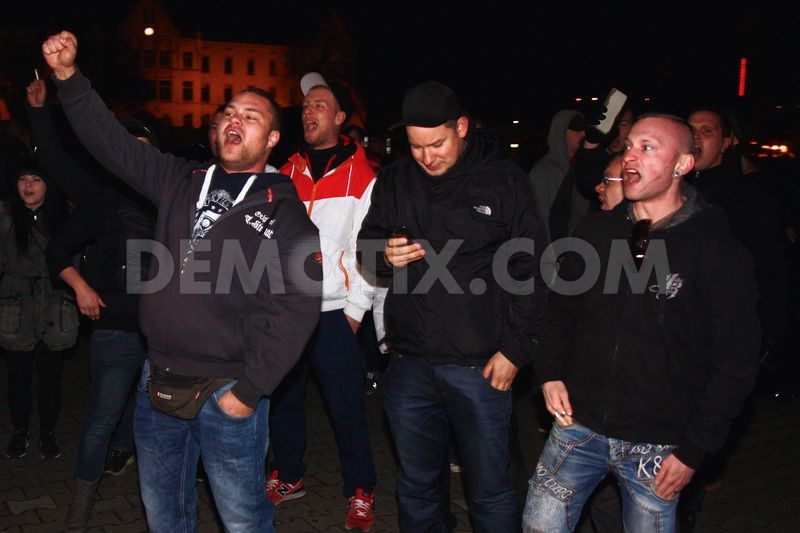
column 59, row 51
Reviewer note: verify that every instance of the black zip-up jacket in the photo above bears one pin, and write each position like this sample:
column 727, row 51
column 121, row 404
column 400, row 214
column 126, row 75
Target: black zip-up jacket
column 211, row 317
column 485, row 200
column 91, row 223
column 753, row 218
column 673, row 363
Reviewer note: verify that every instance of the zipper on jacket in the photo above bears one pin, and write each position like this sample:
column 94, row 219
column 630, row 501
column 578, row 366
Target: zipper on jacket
column 611, row 374
column 661, row 303
column 344, row 271
column 609, row 386
column 313, row 197
column 325, row 175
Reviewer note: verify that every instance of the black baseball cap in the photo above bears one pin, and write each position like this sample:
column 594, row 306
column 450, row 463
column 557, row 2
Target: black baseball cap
column 429, row 104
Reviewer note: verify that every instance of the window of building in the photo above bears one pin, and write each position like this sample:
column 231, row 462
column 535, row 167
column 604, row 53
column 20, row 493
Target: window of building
column 251, row 67
column 228, row 93
column 151, row 89
column 271, row 92
column 205, row 64
column 228, row 65
column 188, row 91
column 273, row 67
column 205, row 93
column 205, row 120
column 148, row 58
column 165, row 90
column 164, row 58
column 187, row 120
column 187, row 60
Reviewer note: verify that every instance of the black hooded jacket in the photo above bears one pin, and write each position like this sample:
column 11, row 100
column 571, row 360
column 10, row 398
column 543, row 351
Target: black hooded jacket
column 670, row 362
column 481, row 204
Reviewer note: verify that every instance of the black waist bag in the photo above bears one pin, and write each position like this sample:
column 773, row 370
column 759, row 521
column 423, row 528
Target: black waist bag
column 180, row 396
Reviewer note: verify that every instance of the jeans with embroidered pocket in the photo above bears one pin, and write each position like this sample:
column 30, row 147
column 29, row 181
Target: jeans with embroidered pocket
column 574, row 461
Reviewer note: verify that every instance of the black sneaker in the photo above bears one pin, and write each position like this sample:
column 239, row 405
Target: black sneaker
column 48, row 446
column 117, row 461
column 18, row 444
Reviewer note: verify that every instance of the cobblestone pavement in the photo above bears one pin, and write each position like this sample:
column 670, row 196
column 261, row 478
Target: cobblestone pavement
column 759, row 490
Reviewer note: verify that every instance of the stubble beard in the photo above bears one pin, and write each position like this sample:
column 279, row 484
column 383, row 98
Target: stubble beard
column 244, row 161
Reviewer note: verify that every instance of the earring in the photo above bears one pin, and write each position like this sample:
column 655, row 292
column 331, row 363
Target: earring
column 677, row 174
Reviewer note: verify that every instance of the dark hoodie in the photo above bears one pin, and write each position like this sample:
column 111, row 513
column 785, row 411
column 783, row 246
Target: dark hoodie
column 212, row 317
column 673, row 363
column 484, row 200
column 548, row 173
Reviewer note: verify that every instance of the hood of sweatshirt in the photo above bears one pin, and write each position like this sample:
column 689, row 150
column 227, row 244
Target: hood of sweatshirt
column 694, row 215
column 556, row 160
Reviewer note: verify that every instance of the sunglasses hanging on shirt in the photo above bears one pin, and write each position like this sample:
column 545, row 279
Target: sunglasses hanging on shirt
column 640, row 237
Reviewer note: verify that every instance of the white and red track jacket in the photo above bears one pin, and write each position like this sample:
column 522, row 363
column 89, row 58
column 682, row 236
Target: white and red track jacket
column 337, row 204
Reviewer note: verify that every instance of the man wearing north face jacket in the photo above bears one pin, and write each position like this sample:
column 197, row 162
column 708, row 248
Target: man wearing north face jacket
column 463, row 310
column 645, row 371
column 235, row 297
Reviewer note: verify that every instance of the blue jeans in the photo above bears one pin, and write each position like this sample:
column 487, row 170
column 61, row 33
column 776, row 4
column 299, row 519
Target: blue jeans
column 423, row 402
column 115, row 358
column 232, row 449
column 334, row 354
column 574, row 460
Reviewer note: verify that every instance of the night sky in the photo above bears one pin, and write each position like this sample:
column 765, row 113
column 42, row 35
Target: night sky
column 511, row 63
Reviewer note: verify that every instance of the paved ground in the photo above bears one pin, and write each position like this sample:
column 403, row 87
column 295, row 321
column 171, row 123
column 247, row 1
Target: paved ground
column 760, row 490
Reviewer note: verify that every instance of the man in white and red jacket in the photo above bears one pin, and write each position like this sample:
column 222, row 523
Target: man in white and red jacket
column 334, row 179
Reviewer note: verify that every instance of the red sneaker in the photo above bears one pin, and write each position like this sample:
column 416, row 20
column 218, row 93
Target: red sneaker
column 280, row 491
column 359, row 515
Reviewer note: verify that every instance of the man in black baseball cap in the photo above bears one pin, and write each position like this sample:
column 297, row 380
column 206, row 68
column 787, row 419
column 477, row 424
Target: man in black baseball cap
column 459, row 200
column 429, row 104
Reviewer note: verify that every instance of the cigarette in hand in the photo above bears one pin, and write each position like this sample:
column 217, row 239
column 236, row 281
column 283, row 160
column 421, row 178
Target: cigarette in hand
column 563, row 419
column 36, row 73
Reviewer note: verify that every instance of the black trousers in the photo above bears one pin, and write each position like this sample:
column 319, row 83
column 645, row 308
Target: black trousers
column 48, row 365
column 375, row 361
